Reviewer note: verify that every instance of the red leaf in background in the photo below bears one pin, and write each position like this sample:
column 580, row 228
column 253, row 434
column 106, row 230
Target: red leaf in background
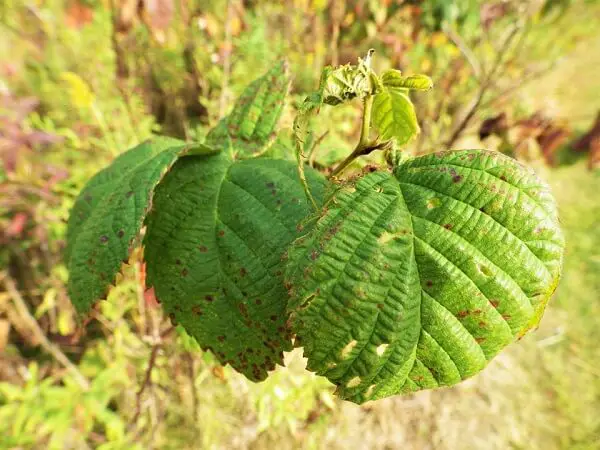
column 16, row 225
column 78, row 15
column 149, row 295
column 160, row 13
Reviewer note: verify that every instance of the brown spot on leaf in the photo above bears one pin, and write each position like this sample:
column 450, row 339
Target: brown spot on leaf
column 457, row 178
column 462, row 314
column 221, row 338
column 258, row 301
column 202, row 248
column 208, row 298
column 243, row 272
column 221, row 233
column 120, row 233
column 103, row 239
column 129, row 194
column 197, row 310
column 429, row 283
column 184, row 273
column 448, row 226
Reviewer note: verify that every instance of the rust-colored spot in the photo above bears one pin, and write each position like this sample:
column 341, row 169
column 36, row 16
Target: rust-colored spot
column 477, row 311
column 380, row 305
column 184, row 273
column 462, row 314
column 506, row 316
column 178, row 262
column 197, row 310
column 129, row 194
column 273, row 318
column 494, row 303
column 208, row 298
column 120, row 233
column 457, row 178
column 243, row 272
column 299, row 228
column 221, row 338
column 243, row 309
column 479, row 340
column 103, row 239
column 448, row 226
column 258, row 301
column 429, row 283
column 221, row 233
column 203, row 248
column 502, row 177
column 482, row 324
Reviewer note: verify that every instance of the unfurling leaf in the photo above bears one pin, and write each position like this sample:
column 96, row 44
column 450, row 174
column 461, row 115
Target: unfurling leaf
column 213, row 249
column 394, row 116
column 108, row 214
column 417, row 278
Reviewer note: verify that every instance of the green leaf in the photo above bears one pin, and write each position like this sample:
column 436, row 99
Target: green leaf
column 394, row 79
column 250, row 127
column 415, row 279
column 394, row 116
column 108, row 214
column 213, row 249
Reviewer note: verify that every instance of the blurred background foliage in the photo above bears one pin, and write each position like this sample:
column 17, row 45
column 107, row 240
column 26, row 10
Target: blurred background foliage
column 83, row 80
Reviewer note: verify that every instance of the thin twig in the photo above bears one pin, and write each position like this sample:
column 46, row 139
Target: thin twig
column 464, row 49
column 34, row 326
column 151, row 363
column 485, row 84
column 312, row 153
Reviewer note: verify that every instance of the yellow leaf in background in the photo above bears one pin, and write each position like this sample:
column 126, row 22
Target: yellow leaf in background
column 348, row 20
column 438, row 39
column 426, row 65
column 65, row 323
column 235, row 25
column 452, row 50
column 319, row 5
column 79, row 92
column 47, row 304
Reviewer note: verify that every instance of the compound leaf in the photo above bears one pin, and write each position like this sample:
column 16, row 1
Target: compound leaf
column 415, row 279
column 213, row 249
column 108, row 214
column 394, row 115
column 250, row 127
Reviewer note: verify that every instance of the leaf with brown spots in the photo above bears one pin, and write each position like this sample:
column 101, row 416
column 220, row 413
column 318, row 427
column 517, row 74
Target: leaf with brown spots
column 396, row 300
column 216, row 221
column 108, row 214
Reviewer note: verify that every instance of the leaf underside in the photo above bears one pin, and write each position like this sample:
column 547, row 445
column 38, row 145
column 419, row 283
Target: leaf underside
column 415, row 279
column 213, row 249
column 108, row 215
column 394, row 115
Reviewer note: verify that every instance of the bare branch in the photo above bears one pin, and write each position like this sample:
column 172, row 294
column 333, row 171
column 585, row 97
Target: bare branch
column 34, row 326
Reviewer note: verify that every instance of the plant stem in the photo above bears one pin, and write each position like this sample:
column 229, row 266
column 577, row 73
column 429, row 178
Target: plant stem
column 363, row 147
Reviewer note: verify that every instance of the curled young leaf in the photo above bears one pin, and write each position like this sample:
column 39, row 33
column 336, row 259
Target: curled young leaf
column 394, row 79
column 416, row 279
